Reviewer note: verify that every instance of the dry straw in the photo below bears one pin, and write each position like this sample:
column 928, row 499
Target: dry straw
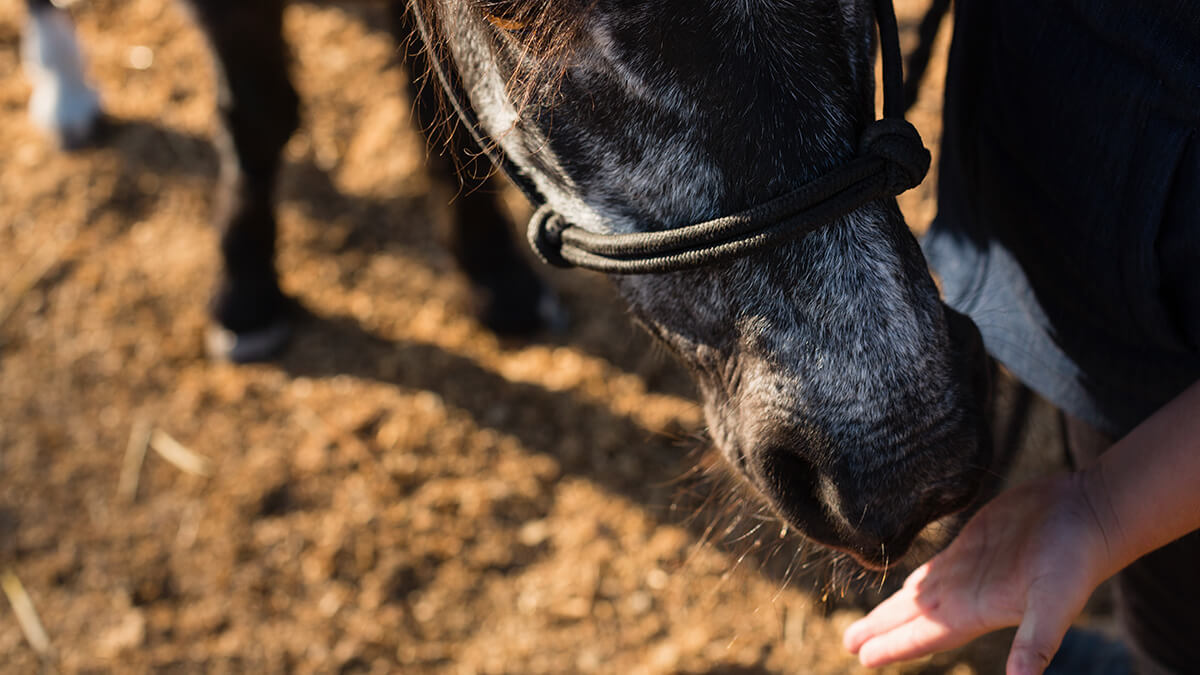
column 135, row 456
column 27, row 616
column 182, row 458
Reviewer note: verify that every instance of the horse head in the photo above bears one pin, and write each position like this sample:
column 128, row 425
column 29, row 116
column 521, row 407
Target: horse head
column 833, row 379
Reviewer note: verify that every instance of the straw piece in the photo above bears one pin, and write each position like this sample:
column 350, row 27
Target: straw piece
column 135, row 456
column 174, row 452
column 27, row 616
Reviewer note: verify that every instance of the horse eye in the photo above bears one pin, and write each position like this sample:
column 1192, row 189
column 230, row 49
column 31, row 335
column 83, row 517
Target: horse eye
column 507, row 15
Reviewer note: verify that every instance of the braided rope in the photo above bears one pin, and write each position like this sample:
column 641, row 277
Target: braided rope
column 891, row 161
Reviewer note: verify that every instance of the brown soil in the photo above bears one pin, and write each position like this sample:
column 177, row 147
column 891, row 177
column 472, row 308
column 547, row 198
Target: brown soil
column 401, row 492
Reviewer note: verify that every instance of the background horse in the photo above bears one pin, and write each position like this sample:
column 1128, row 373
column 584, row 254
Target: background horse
column 260, row 111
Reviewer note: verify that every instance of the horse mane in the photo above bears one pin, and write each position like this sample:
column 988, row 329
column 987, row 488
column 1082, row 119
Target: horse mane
column 545, row 17
column 544, row 29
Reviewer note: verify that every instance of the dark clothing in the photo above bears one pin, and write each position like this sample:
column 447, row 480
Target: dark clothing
column 1069, row 229
column 1069, row 203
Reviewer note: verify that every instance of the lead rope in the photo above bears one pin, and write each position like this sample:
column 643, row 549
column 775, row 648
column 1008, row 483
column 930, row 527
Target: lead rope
column 891, row 160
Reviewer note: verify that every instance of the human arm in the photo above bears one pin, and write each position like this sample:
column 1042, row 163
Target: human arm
column 1033, row 555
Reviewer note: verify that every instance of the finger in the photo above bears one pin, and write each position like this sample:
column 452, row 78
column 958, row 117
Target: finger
column 901, row 607
column 1039, row 635
column 889, row 614
column 923, row 635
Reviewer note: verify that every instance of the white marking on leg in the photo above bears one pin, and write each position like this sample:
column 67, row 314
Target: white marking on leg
column 62, row 104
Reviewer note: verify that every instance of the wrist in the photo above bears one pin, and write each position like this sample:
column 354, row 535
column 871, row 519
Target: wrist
column 1111, row 552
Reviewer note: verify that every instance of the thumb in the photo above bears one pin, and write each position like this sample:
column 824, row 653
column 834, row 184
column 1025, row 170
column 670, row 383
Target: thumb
column 1040, row 634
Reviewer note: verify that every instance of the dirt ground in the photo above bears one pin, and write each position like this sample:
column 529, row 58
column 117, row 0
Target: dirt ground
column 401, row 491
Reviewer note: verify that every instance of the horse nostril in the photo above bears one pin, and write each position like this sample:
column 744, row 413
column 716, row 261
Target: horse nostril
column 848, row 517
column 793, row 486
column 786, row 474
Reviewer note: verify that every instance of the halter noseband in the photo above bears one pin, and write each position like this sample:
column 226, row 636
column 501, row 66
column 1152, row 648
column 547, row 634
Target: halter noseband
column 891, row 159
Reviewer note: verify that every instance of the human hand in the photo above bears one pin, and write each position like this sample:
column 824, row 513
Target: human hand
column 1030, row 557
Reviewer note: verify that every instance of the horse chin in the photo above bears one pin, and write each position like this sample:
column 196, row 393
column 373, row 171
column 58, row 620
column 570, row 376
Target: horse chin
column 875, row 560
column 872, row 564
column 927, row 541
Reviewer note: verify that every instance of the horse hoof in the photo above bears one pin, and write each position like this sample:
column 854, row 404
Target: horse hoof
column 70, row 115
column 260, row 345
column 63, row 104
column 74, row 133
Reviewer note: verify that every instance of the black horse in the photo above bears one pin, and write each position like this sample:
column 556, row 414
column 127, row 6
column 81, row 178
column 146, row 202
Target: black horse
column 833, row 379
column 676, row 143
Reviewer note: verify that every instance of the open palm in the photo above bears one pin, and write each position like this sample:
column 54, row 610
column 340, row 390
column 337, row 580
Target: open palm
column 1031, row 557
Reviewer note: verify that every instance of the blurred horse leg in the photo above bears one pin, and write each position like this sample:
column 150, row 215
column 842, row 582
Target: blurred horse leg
column 511, row 299
column 63, row 104
column 259, row 109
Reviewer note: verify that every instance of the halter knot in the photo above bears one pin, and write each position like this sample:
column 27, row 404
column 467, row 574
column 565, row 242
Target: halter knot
column 897, row 142
column 545, row 235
